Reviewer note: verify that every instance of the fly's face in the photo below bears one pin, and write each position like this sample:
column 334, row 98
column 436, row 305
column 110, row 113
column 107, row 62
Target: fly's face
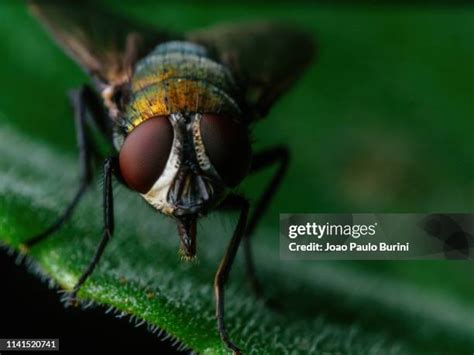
column 183, row 164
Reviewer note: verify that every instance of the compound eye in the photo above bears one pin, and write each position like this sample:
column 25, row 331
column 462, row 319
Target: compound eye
column 145, row 152
column 227, row 145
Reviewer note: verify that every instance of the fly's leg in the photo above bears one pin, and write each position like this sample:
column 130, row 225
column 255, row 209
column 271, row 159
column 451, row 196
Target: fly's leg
column 108, row 207
column 85, row 106
column 280, row 156
column 222, row 274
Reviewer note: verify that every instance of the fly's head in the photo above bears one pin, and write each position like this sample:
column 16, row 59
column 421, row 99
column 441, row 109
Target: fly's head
column 184, row 164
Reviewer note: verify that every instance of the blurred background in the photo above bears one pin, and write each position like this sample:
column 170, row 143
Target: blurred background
column 381, row 122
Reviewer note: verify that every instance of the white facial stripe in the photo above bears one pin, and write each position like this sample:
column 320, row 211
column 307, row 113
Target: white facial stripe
column 201, row 156
column 157, row 195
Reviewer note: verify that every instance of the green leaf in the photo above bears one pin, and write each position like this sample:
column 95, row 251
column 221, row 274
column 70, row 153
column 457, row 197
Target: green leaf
column 383, row 122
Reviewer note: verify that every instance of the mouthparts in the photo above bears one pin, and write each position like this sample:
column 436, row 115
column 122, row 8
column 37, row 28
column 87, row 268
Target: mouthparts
column 192, row 193
column 187, row 235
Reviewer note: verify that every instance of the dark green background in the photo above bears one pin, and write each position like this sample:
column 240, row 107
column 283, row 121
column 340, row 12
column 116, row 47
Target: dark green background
column 382, row 122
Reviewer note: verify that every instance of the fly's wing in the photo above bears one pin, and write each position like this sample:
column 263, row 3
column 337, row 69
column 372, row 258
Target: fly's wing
column 265, row 58
column 104, row 44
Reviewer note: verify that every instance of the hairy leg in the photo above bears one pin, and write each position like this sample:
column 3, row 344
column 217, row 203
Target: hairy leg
column 222, row 274
column 87, row 112
column 108, row 208
column 279, row 156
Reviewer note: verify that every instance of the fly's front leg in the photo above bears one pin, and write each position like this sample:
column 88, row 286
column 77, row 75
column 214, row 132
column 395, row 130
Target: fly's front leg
column 222, row 274
column 280, row 156
column 108, row 207
column 85, row 106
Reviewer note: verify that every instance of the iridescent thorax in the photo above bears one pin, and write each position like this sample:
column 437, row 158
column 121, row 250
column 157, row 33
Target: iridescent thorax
column 180, row 77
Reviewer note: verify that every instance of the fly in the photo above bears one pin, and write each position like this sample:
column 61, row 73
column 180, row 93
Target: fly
column 176, row 111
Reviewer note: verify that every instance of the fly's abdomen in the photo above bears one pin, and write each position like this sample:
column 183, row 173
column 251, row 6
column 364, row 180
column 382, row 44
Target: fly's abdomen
column 180, row 77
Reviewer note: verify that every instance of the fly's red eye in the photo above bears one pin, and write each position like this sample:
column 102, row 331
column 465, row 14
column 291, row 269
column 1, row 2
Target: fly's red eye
column 227, row 145
column 145, row 152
